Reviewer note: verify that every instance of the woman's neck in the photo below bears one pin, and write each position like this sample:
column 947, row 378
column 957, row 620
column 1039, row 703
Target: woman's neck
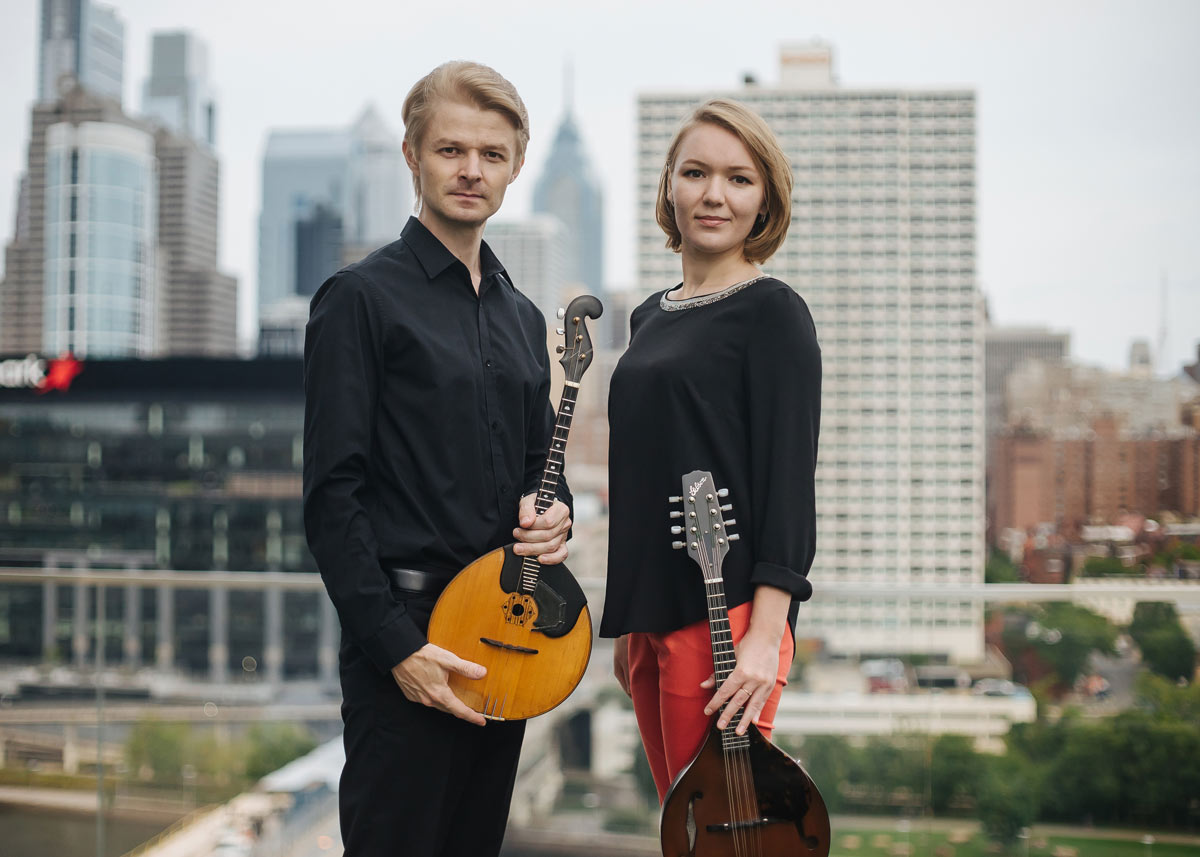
column 703, row 275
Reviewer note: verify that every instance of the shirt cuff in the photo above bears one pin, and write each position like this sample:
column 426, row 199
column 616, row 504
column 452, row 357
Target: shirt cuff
column 394, row 642
column 782, row 577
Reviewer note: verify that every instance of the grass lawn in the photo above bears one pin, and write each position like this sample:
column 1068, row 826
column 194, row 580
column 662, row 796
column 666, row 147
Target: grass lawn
column 920, row 843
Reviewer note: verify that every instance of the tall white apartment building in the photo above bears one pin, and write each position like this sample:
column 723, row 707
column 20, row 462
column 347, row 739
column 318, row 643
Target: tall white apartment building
column 882, row 248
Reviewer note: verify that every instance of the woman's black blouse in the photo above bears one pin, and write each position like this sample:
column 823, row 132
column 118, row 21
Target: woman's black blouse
column 729, row 383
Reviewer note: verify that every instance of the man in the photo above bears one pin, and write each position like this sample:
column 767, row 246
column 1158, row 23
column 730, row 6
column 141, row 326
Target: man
column 427, row 420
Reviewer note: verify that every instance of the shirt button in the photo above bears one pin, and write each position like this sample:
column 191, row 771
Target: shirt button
column 503, row 489
column 495, row 425
column 487, row 363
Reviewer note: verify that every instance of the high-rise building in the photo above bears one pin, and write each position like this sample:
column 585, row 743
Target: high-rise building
column 882, row 248
column 356, row 174
column 534, row 253
column 568, row 190
column 1007, row 348
column 177, row 95
column 199, row 303
column 85, row 233
column 101, row 284
column 84, row 41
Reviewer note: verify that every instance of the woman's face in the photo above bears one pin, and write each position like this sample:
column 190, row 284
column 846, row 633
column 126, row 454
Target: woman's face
column 717, row 191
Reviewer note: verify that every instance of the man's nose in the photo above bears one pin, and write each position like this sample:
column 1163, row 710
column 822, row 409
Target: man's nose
column 470, row 167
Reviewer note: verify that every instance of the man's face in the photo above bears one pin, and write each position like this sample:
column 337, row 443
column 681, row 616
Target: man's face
column 466, row 161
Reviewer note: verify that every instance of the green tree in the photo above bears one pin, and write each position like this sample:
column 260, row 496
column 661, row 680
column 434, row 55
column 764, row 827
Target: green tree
column 157, row 750
column 1170, row 653
column 1007, row 800
column 999, row 569
column 1152, row 616
column 1069, row 634
column 954, row 772
column 270, row 746
column 1166, row 700
column 828, row 761
column 643, row 778
column 1099, row 566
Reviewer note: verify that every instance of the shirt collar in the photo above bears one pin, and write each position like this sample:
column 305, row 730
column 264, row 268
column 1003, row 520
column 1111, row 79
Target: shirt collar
column 435, row 258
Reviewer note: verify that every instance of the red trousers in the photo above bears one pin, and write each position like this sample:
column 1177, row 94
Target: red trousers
column 665, row 671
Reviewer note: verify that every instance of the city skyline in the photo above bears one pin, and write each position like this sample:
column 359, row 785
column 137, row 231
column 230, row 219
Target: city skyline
column 1088, row 182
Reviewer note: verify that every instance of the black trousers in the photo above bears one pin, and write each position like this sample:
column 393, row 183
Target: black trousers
column 419, row 782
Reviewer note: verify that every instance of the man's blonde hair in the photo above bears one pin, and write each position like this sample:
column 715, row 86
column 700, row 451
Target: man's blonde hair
column 469, row 83
column 738, row 119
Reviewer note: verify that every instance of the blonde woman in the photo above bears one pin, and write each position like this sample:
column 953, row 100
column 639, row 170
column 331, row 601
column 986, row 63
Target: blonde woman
column 722, row 373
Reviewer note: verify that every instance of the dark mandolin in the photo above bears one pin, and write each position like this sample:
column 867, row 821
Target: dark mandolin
column 741, row 795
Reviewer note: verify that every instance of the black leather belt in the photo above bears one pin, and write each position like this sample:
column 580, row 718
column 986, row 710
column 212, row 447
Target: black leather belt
column 411, row 580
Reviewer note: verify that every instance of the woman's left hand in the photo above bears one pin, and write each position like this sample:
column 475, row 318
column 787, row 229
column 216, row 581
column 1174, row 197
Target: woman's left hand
column 749, row 685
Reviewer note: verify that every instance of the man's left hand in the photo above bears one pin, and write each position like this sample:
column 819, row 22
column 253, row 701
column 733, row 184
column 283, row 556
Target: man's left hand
column 545, row 535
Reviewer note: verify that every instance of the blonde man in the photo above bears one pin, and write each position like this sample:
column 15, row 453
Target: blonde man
column 427, row 419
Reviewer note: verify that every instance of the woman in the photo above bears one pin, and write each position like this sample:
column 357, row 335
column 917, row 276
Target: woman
column 723, row 373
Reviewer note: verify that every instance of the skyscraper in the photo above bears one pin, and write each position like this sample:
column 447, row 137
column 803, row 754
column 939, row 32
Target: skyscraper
column 1007, row 348
column 177, row 94
column 356, row 175
column 882, row 247
column 198, row 302
column 82, row 40
column 82, row 270
column 568, row 190
column 101, row 285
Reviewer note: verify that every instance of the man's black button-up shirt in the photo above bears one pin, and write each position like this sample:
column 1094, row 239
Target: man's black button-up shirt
column 427, row 416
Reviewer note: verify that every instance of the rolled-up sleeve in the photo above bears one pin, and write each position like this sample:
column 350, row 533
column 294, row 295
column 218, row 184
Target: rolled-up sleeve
column 783, row 383
column 342, row 360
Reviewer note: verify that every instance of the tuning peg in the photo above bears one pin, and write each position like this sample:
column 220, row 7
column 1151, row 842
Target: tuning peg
column 559, row 349
column 674, row 499
column 731, row 522
column 676, row 530
column 733, row 537
column 676, row 513
column 724, row 492
column 677, row 545
column 728, row 507
column 559, row 331
column 562, row 312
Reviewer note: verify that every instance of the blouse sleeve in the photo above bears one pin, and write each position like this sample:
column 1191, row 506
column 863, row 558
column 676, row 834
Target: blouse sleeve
column 783, row 383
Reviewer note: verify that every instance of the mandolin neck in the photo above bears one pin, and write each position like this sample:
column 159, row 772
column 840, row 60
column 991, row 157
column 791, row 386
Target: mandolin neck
column 724, row 656
column 548, row 490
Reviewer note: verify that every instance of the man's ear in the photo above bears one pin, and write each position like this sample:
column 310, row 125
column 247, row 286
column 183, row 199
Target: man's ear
column 410, row 157
column 517, row 170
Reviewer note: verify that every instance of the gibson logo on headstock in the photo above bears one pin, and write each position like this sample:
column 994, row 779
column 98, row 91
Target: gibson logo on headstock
column 696, row 487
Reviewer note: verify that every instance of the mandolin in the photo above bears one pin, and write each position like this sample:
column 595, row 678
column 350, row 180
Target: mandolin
column 740, row 795
column 527, row 623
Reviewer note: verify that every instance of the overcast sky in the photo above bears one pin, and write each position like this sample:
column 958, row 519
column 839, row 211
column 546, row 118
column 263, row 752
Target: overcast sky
column 1088, row 137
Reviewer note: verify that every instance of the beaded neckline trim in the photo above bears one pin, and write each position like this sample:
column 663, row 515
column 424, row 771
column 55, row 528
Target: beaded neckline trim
column 705, row 300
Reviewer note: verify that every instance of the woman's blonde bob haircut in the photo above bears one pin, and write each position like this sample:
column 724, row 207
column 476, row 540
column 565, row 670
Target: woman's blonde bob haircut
column 770, row 161
column 466, row 83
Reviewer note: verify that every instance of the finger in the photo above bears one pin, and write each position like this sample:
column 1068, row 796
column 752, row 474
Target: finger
column 451, row 704
column 711, row 681
column 753, row 708
column 554, row 557
column 740, row 697
column 526, row 511
column 465, row 668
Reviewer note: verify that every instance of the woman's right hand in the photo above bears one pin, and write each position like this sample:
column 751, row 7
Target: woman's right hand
column 621, row 663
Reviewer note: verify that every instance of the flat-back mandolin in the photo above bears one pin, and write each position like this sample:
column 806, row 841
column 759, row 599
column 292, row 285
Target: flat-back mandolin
column 527, row 623
column 740, row 795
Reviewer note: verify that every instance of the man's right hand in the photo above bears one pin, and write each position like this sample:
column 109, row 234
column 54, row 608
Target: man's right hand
column 423, row 674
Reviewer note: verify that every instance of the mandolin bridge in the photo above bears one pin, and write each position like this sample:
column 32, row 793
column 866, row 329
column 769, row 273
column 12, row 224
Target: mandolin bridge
column 524, row 650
